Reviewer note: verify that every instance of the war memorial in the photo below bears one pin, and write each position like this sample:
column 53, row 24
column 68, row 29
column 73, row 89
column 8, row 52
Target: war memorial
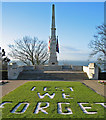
column 53, row 71
column 52, row 91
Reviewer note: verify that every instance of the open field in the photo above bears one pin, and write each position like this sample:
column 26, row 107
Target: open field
column 49, row 99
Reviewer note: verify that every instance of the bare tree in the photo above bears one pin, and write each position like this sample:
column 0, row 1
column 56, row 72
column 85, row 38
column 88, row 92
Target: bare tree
column 98, row 45
column 3, row 57
column 30, row 51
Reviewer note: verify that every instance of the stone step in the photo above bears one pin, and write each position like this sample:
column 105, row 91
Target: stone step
column 52, row 75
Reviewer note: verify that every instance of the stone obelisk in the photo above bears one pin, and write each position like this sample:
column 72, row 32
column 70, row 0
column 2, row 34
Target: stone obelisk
column 53, row 55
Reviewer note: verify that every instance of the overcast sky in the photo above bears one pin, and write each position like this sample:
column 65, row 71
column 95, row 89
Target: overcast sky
column 75, row 24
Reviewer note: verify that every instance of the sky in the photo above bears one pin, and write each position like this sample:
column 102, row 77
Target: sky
column 53, row 0
column 75, row 24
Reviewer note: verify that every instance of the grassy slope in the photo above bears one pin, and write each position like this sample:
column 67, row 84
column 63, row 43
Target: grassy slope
column 80, row 94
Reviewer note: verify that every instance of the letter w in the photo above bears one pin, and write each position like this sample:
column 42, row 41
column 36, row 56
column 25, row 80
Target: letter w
column 42, row 96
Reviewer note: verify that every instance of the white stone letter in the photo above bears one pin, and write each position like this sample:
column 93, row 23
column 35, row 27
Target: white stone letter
column 102, row 104
column 33, row 89
column 84, row 108
column 45, row 88
column 57, row 88
column 69, row 111
column 65, row 96
column 50, row 96
column 71, row 88
column 17, row 106
column 3, row 103
column 38, row 108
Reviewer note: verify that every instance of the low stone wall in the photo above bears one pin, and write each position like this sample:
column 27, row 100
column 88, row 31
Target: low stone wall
column 52, row 68
column 48, row 68
column 92, row 71
column 29, row 67
column 59, row 68
column 13, row 71
column 77, row 68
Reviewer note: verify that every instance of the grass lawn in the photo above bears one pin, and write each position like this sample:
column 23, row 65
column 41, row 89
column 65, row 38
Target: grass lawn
column 78, row 93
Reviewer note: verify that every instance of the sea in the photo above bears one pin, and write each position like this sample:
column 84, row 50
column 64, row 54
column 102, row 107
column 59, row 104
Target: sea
column 62, row 62
column 78, row 63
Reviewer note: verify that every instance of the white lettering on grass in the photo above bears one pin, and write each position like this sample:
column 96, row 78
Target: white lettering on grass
column 65, row 96
column 57, row 88
column 45, row 88
column 39, row 108
column 69, row 111
column 18, row 105
column 3, row 103
column 71, row 88
column 102, row 104
column 33, row 88
column 84, row 108
column 46, row 94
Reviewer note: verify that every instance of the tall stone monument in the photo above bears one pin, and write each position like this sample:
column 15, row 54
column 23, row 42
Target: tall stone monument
column 53, row 41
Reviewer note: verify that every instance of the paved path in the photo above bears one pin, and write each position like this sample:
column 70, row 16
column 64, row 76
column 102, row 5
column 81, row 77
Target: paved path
column 13, row 84
column 93, row 84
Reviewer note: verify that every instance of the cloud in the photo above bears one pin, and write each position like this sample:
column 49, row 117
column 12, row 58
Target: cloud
column 70, row 48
